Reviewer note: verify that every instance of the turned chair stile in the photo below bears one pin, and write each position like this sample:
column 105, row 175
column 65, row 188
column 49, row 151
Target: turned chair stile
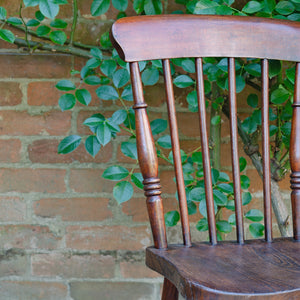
column 267, row 269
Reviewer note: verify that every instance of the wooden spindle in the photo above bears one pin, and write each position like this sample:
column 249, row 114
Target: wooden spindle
column 266, row 150
column 148, row 161
column 234, row 151
column 176, row 154
column 295, row 156
column 205, row 153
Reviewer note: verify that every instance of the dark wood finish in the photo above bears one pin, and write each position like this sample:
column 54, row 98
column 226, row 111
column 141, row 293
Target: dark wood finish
column 227, row 270
column 199, row 36
column 176, row 154
column 231, row 271
column 148, row 161
column 266, row 150
column 205, row 154
column 295, row 157
column 170, row 291
column 234, row 151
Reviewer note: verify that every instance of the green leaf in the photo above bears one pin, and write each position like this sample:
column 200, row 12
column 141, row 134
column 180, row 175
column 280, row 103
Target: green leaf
column 240, row 83
column 123, row 191
column 188, row 65
column 286, row 128
column 215, row 174
column 192, row 208
column 92, row 145
column 243, row 163
column 43, row 30
column 253, row 69
column 290, row 74
column 269, row 5
column 127, row 93
column 14, row 21
column 245, row 182
column 223, row 177
column 294, row 17
column 224, row 10
column 192, row 100
column 203, row 210
column 252, row 7
column 225, row 188
column 38, row 14
column 249, row 125
column 153, row 7
column 7, row 35
column 28, row 3
column 120, row 78
column 108, row 67
column 119, row 116
column 182, row 155
column 223, row 226
column 94, row 121
column 3, row 13
column 158, row 126
column 107, row 92
column 150, row 76
column 223, row 65
column 252, row 100
column 58, row 37
column 65, row 85
column 219, row 198
column 273, row 129
column 230, row 205
column 58, row 23
column 197, row 194
column 115, row 173
column 105, row 41
column 129, row 149
column 215, row 120
column 137, row 179
column 99, row 7
column 93, row 63
column 69, row 144
column 83, row 96
column 103, row 133
column 66, row 101
column 172, row 218
column 48, row 8
column 254, row 215
column 274, row 67
column 138, row 6
column 279, row 95
column 33, row 23
column 113, row 126
column 120, row 4
column 204, row 7
column 231, row 220
column 284, row 7
column 92, row 80
column 165, row 142
column 202, row 225
column 96, row 53
column 256, row 230
column 183, row 81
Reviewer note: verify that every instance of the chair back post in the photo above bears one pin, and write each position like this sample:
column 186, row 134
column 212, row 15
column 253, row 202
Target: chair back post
column 295, row 157
column 148, row 161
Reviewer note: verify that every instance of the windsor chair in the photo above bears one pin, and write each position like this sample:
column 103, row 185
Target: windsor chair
column 270, row 268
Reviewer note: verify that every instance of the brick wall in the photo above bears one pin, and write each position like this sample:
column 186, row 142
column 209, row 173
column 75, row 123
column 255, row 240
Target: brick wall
column 62, row 235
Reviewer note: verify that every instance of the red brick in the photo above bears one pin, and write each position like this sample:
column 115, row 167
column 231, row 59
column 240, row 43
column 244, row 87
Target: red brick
column 45, row 151
column 13, row 263
column 33, row 290
column 74, row 209
column 133, row 269
column 89, row 181
column 107, row 237
column 10, row 94
column 188, row 124
column 35, row 66
column 255, row 181
column 167, row 182
column 32, row 180
column 285, row 183
column 10, row 151
column 28, row 237
column 12, row 209
column 42, row 93
column 112, row 290
column 73, row 266
column 21, row 123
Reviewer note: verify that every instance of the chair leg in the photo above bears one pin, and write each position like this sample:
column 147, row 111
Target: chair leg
column 170, row 291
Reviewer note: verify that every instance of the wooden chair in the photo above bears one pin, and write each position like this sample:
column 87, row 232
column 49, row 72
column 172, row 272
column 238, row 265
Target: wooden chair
column 269, row 269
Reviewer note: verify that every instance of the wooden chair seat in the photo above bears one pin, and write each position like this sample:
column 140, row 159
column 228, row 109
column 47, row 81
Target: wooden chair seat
column 253, row 269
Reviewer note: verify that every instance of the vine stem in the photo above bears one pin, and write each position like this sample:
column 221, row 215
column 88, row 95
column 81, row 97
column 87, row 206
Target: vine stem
column 25, row 26
column 74, row 24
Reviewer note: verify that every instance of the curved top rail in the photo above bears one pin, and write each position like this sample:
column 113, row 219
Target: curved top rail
column 171, row 36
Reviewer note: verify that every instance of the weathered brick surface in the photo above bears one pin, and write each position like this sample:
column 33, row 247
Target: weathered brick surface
column 28, row 237
column 32, row 180
column 74, row 209
column 107, row 237
column 32, row 290
column 21, row 123
column 136, row 269
column 112, row 290
column 13, row 263
column 12, row 209
column 11, row 94
column 42, row 93
column 10, row 151
column 73, row 266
